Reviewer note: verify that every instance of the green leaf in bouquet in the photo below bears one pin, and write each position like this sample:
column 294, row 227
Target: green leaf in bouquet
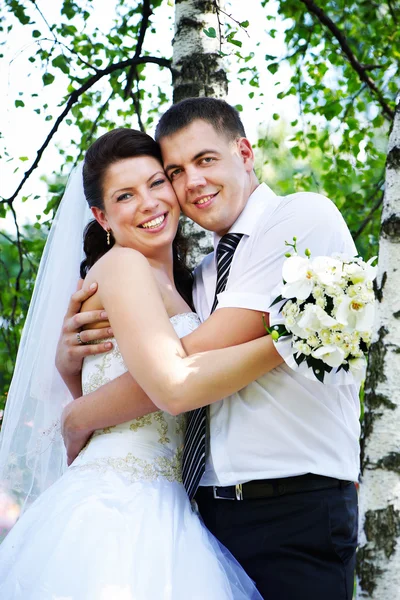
column 329, row 304
column 319, row 368
column 278, row 299
column 299, row 358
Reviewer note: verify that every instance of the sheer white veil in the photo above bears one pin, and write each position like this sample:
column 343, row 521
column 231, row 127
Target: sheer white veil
column 32, row 454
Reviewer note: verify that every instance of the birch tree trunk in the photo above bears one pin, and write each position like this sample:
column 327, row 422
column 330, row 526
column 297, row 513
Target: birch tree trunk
column 198, row 70
column 198, row 67
column 379, row 553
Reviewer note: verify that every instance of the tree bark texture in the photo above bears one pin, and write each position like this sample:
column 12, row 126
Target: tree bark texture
column 379, row 552
column 197, row 71
column 197, row 65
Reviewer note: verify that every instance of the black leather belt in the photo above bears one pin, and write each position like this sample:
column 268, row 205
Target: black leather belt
column 268, row 488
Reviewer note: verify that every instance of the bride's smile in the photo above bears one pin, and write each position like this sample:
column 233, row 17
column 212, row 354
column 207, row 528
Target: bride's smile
column 140, row 206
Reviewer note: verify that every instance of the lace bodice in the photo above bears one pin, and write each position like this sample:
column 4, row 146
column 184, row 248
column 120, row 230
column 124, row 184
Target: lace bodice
column 145, row 448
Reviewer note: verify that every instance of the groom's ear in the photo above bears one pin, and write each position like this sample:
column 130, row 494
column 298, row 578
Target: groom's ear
column 246, row 153
column 100, row 217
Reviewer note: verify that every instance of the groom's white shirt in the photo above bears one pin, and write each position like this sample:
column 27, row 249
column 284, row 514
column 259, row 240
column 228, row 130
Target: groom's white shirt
column 283, row 424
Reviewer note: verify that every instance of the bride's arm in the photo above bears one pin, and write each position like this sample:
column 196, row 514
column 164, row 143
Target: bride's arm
column 152, row 351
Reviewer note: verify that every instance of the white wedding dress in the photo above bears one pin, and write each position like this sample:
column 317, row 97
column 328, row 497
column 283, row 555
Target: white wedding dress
column 118, row 524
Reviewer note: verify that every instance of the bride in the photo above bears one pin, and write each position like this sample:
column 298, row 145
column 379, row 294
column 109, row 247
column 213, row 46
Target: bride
column 117, row 524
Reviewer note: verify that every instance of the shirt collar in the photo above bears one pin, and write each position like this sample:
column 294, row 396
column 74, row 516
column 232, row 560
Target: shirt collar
column 249, row 217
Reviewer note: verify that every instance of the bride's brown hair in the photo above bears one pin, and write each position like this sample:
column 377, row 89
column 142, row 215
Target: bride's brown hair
column 106, row 150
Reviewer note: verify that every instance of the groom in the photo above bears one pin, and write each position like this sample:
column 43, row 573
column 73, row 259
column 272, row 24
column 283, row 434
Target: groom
column 277, row 489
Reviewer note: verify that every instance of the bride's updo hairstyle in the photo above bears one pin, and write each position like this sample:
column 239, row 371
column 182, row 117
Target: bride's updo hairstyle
column 108, row 149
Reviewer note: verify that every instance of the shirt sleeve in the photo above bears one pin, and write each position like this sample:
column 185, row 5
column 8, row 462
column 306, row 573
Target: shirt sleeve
column 317, row 224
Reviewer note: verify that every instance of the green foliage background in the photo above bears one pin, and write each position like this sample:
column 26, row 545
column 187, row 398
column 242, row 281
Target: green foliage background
column 344, row 63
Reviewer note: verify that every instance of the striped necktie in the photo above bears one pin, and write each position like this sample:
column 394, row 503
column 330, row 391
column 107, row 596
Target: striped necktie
column 195, row 451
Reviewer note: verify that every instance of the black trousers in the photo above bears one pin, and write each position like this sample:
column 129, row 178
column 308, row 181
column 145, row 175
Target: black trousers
column 299, row 546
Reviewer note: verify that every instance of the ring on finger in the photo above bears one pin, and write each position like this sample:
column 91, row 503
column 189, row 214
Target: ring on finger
column 78, row 335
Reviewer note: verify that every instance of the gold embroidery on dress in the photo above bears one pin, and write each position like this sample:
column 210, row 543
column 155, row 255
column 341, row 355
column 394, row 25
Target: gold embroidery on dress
column 180, row 424
column 138, row 469
column 163, row 427
column 140, row 422
column 97, row 377
column 107, row 429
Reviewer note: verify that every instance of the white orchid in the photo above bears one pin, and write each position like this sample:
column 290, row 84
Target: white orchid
column 358, row 367
column 328, row 270
column 355, row 272
column 314, row 319
column 298, row 276
column 360, row 271
column 328, row 329
column 355, row 314
column 330, row 355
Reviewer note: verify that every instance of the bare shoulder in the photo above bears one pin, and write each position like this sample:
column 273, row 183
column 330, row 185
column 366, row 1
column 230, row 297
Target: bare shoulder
column 115, row 261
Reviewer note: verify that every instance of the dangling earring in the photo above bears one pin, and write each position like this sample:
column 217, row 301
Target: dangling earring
column 108, row 237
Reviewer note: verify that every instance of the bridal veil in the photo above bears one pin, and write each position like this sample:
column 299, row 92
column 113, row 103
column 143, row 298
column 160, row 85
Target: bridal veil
column 32, row 454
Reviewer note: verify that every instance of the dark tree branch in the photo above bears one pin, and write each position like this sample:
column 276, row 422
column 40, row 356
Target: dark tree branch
column 357, row 66
column 219, row 10
column 372, row 67
column 7, row 238
column 136, row 103
column 219, row 25
column 43, row 17
column 369, row 217
column 146, row 14
column 73, row 98
column 79, row 57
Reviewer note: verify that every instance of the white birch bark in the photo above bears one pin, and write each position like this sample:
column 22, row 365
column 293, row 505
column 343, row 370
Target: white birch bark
column 198, row 66
column 198, row 70
column 379, row 552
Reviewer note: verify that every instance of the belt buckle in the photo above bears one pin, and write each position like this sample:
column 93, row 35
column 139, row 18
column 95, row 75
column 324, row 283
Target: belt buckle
column 216, row 496
column 239, row 491
column 215, row 493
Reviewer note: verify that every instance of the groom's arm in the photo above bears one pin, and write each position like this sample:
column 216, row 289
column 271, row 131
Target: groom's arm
column 122, row 399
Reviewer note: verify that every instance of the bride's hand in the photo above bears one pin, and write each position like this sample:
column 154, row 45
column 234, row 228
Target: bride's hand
column 72, row 348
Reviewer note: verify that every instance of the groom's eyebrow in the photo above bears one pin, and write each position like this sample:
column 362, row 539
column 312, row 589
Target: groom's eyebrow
column 195, row 157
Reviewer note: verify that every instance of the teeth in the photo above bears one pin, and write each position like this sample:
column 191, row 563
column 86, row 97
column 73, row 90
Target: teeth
column 154, row 223
column 204, row 200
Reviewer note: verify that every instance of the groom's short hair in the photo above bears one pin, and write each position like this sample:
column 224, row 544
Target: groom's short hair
column 223, row 117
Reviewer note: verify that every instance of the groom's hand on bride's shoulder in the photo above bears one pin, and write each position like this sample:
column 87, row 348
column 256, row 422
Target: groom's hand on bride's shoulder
column 74, row 343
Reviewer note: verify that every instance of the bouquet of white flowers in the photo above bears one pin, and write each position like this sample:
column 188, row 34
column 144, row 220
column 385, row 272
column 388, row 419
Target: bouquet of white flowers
column 327, row 305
